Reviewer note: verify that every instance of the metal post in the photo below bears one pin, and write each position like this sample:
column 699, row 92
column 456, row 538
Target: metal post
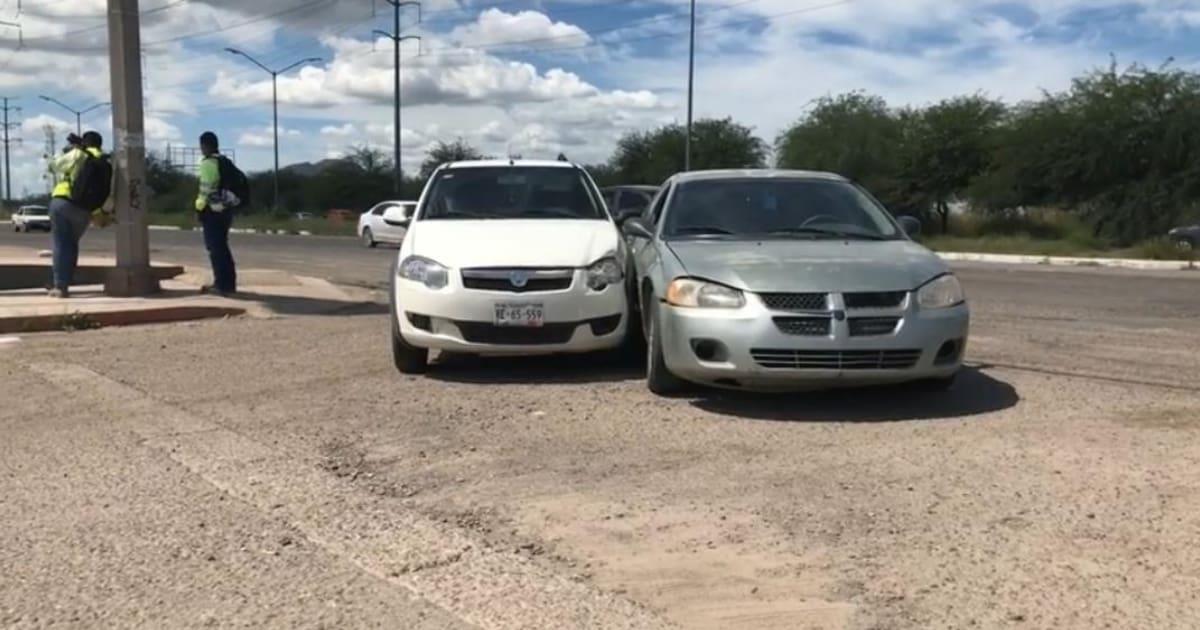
column 399, row 177
column 7, row 172
column 397, row 39
column 275, row 115
column 274, row 105
column 132, row 275
column 78, row 124
column 687, row 142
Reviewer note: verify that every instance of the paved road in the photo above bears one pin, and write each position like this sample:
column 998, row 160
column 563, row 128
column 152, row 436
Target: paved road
column 281, row 474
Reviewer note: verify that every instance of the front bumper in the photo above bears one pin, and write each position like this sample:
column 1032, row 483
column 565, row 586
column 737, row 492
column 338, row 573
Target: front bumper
column 457, row 319
column 746, row 349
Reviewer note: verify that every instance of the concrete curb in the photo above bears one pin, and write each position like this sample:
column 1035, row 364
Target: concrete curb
column 105, row 319
column 1065, row 261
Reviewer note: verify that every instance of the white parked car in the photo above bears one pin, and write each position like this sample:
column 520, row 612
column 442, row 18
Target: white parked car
column 507, row 257
column 373, row 230
column 28, row 218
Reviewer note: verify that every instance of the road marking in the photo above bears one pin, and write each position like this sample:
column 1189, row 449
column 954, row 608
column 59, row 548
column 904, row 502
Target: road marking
column 444, row 565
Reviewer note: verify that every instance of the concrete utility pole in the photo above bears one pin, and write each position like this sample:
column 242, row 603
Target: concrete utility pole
column 78, row 112
column 132, row 275
column 274, row 105
column 397, row 38
column 687, row 141
column 7, row 126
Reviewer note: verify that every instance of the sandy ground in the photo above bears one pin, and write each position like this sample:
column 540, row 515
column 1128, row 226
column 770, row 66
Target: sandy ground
column 237, row 473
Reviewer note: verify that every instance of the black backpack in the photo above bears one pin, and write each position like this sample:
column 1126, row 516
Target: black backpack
column 92, row 183
column 233, row 180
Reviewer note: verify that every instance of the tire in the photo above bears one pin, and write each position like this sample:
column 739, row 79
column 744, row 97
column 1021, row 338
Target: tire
column 368, row 238
column 659, row 378
column 16, row 228
column 1186, row 244
column 409, row 359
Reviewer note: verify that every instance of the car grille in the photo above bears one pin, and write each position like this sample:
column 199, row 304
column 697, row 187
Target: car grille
column 873, row 326
column 836, row 359
column 534, row 285
column 885, row 299
column 537, row 280
column 796, row 301
column 549, row 334
column 805, row 326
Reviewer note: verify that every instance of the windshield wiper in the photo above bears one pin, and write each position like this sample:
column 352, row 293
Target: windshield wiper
column 702, row 230
column 829, row 232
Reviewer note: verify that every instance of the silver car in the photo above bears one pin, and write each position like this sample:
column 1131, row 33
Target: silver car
column 787, row 280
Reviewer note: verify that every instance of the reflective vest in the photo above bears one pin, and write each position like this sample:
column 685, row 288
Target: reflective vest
column 64, row 168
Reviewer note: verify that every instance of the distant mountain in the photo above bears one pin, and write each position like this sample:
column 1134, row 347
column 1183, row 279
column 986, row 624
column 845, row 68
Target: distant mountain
column 309, row 169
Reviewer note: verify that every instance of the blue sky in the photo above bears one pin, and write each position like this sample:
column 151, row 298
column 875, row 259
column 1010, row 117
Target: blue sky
column 536, row 77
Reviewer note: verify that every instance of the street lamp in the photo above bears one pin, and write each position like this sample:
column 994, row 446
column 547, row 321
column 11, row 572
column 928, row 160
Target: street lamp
column 274, row 105
column 687, row 142
column 78, row 112
column 397, row 38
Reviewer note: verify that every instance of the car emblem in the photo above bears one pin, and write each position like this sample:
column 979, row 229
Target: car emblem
column 839, row 315
column 519, row 279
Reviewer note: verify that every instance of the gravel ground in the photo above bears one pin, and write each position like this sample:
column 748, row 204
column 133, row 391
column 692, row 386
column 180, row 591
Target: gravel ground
column 1054, row 487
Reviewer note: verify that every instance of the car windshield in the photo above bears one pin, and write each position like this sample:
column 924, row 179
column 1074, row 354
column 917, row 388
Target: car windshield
column 512, row 192
column 776, row 208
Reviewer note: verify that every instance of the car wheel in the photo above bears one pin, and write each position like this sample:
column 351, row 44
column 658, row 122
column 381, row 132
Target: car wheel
column 16, row 228
column 1186, row 244
column 409, row 359
column 368, row 238
column 659, row 378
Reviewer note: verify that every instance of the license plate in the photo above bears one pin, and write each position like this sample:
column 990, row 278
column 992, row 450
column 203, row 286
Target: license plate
column 524, row 315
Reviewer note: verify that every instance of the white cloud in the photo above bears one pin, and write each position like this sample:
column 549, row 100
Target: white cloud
column 339, row 131
column 532, row 28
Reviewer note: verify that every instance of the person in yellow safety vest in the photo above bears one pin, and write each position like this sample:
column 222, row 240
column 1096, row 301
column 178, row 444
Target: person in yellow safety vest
column 215, row 206
column 68, row 222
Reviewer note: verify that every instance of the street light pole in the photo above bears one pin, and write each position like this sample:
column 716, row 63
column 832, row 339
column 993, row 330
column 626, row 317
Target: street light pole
column 687, row 142
column 397, row 38
column 274, row 107
column 78, row 112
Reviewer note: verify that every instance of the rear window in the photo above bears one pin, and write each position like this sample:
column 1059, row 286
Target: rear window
column 512, row 193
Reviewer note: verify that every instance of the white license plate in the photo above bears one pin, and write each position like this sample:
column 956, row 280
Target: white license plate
column 523, row 314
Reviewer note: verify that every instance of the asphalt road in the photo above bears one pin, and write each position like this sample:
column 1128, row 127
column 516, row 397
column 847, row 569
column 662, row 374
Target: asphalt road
column 281, row 474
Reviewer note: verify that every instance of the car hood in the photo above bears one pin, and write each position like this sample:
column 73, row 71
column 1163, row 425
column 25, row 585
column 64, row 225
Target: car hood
column 513, row 243
column 810, row 266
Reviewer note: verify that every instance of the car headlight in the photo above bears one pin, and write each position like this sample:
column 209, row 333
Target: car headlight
column 941, row 292
column 429, row 273
column 690, row 293
column 604, row 272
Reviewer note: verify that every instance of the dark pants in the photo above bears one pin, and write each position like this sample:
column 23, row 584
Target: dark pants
column 68, row 222
column 216, row 239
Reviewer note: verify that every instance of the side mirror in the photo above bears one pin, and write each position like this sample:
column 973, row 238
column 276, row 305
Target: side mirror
column 396, row 216
column 637, row 228
column 910, row 225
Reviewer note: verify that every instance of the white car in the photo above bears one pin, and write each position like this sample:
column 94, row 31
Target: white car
column 507, row 257
column 28, row 218
column 373, row 230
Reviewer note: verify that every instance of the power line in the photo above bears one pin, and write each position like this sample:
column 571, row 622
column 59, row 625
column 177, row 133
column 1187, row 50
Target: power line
column 95, row 27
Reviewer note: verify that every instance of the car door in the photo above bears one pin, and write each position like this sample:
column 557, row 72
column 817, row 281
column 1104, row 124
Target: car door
column 645, row 251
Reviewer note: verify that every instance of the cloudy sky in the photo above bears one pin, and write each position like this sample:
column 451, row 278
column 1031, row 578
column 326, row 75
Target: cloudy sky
column 536, row 77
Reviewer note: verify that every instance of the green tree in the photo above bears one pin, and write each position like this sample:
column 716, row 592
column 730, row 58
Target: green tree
column 946, row 146
column 650, row 157
column 443, row 152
